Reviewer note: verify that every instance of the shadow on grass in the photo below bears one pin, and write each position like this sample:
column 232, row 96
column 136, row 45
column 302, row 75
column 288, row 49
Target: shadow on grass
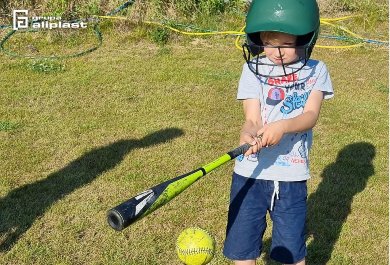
column 22, row 206
column 330, row 205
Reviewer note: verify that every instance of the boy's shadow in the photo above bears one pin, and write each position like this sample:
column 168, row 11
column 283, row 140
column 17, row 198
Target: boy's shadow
column 330, row 205
column 22, row 206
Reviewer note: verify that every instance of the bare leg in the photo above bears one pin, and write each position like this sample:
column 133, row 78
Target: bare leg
column 245, row 262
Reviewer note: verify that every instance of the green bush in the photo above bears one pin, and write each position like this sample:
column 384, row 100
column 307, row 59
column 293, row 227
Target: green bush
column 372, row 11
column 180, row 8
column 160, row 36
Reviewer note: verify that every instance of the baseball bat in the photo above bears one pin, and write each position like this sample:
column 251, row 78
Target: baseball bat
column 149, row 200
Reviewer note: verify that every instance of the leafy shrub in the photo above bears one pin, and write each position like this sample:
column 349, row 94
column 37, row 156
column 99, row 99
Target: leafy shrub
column 160, row 36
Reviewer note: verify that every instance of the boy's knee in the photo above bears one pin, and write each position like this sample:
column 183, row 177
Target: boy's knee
column 245, row 262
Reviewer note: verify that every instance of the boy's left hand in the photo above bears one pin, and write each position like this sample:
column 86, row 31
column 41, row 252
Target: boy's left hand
column 272, row 133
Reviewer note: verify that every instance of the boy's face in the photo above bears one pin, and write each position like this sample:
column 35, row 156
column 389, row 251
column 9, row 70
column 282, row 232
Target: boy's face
column 280, row 55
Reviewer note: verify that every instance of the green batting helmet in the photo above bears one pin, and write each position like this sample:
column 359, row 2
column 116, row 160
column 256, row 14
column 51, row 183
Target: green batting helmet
column 295, row 17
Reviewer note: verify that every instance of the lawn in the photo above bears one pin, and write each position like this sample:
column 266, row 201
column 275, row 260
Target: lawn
column 82, row 137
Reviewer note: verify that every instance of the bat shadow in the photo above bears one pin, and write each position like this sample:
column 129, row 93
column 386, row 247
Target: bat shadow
column 22, row 206
column 330, row 205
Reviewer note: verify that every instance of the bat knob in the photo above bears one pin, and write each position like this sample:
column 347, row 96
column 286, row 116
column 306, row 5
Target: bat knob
column 115, row 220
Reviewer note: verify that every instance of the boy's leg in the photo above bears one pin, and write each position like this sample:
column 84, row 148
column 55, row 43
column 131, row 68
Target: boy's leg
column 246, row 220
column 253, row 262
column 245, row 262
column 289, row 219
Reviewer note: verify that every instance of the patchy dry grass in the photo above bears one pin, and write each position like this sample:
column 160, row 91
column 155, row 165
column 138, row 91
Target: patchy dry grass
column 77, row 142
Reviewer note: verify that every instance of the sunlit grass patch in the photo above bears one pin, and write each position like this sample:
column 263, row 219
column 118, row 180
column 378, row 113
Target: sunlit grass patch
column 6, row 126
column 46, row 65
column 83, row 147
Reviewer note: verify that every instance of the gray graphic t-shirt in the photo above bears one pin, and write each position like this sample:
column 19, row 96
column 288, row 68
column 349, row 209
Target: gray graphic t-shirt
column 282, row 97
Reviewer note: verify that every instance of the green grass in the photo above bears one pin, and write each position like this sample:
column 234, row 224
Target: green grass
column 76, row 142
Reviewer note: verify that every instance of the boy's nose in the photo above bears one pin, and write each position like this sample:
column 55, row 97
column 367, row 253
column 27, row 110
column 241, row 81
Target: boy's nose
column 280, row 52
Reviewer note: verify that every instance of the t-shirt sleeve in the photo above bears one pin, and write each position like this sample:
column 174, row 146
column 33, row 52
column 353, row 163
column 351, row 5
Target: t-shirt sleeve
column 323, row 82
column 249, row 85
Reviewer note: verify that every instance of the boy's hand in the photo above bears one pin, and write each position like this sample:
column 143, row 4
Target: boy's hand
column 272, row 133
column 253, row 140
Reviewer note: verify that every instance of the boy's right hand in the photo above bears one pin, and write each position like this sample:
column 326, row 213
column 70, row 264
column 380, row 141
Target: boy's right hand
column 253, row 140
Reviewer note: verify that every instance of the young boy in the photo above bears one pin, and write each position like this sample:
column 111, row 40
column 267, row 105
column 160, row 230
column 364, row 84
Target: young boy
column 282, row 91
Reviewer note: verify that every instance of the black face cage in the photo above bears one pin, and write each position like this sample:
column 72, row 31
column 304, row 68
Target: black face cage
column 253, row 55
column 253, row 48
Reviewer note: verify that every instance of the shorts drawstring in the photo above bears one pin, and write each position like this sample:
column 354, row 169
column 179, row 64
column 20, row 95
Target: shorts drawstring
column 276, row 192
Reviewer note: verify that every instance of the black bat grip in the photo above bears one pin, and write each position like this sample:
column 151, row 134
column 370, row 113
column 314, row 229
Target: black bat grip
column 239, row 150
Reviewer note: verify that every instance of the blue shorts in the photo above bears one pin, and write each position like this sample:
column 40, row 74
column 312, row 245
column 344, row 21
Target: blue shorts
column 250, row 200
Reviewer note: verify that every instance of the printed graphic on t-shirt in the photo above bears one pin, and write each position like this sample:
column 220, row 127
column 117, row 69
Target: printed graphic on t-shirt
column 275, row 95
column 240, row 158
column 283, row 79
column 282, row 161
column 302, row 149
column 253, row 157
column 294, row 101
column 282, row 97
column 286, row 85
column 292, row 94
column 292, row 157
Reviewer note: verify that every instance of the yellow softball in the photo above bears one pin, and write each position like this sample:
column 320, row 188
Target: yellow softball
column 195, row 246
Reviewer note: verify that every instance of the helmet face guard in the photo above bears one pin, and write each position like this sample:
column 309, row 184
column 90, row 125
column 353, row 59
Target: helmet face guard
column 255, row 62
column 294, row 17
column 253, row 54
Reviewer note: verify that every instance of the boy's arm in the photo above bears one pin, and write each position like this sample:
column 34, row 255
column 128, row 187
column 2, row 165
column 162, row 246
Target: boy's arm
column 252, row 125
column 273, row 132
